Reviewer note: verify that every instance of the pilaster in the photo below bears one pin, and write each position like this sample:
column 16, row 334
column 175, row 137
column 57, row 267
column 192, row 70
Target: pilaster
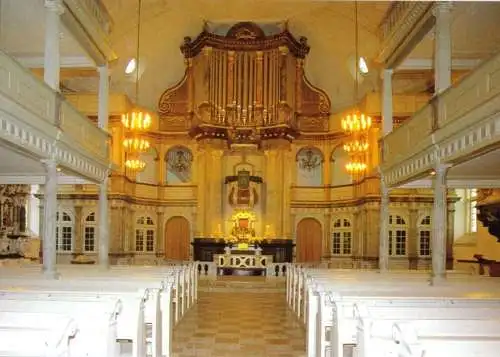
column 327, row 241
column 78, row 242
column 160, row 234
column 413, row 239
column 384, row 227
column 103, row 224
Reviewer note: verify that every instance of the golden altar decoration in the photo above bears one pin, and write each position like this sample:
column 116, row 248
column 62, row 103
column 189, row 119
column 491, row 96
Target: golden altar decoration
column 244, row 84
column 243, row 228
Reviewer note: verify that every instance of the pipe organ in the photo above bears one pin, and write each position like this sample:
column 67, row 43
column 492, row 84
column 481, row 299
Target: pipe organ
column 244, row 85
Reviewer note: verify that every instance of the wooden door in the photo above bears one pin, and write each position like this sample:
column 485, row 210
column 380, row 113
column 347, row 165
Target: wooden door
column 309, row 237
column 177, row 239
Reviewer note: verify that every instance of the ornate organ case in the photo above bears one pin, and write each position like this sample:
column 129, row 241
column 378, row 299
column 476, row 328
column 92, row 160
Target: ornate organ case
column 244, row 84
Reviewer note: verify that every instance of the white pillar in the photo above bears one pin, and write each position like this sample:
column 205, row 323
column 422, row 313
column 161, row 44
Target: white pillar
column 442, row 46
column 51, row 65
column 102, row 115
column 387, row 103
column 103, row 224
column 102, row 122
column 34, row 211
column 49, row 217
column 383, row 254
column 439, row 225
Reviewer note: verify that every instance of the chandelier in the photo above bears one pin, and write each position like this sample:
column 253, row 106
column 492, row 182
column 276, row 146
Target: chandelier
column 136, row 122
column 356, row 125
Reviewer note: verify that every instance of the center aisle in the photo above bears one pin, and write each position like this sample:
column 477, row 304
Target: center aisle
column 243, row 324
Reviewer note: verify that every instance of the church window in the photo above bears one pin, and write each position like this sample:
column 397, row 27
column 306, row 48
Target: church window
column 89, row 239
column 398, row 233
column 64, row 231
column 144, row 234
column 179, row 164
column 342, row 237
column 424, row 236
column 309, row 167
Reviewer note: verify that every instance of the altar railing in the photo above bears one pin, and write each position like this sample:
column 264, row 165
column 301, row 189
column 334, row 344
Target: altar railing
column 242, row 261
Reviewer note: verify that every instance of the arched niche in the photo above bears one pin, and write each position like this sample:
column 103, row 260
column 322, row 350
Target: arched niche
column 148, row 175
column 178, row 165
column 309, row 161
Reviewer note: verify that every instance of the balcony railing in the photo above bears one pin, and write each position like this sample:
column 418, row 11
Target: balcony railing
column 462, row 105
column 33, row 97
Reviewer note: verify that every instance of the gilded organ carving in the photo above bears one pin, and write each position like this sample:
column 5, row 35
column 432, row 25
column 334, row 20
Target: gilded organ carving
column 244, row 85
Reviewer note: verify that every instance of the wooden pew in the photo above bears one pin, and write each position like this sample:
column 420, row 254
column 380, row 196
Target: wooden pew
column 49, row 335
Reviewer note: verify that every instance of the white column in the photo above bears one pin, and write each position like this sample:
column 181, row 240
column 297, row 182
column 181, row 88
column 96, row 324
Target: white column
column 387, row 103
column 102, row 114
column 442, row 46
column 439, row 225
column 49, row 218
column 103, row 224
column 383, row 254
column 34, row 211
column 51, row 65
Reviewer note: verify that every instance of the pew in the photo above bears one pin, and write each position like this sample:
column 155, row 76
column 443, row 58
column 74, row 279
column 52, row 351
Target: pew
column 49, row 335
column 96, row 321
column 459, row 337
column 329, row 323
column 138, row 301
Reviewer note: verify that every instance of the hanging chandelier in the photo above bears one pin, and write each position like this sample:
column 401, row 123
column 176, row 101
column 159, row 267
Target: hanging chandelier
column 136, row 122
column 356, row 125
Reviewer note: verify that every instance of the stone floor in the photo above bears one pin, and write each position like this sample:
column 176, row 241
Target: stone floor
column 239, row 324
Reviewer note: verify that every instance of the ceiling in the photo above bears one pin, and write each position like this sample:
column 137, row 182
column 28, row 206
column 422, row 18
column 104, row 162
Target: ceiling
column 328, row 25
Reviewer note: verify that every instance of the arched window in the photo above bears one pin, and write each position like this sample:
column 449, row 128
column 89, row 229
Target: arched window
column 64, row 231
column 398, row 233
column 342, row 237
column 148, row 175
column 424, row 237
column 144, row 234
column 309, row 167
column 178, row 162
column 339, row 174
column 89, row 230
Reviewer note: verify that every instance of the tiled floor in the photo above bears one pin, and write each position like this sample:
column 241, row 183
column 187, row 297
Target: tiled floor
column 239, row 324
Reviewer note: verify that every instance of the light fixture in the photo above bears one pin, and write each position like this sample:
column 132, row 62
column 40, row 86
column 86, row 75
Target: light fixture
column 136, row 122
column 363, row 67
column 356, row 125
column 131, row 66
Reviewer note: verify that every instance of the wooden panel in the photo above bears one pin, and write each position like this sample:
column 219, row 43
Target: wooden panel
column 177, row 239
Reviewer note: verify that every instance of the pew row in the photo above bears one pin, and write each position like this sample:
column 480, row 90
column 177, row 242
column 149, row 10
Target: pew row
column 49, row 335
column 95, row 325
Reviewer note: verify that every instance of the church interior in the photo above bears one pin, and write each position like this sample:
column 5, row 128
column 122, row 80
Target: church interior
column 335, row 163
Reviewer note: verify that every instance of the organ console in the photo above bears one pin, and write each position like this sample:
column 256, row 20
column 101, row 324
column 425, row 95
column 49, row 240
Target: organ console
column 244, row 85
